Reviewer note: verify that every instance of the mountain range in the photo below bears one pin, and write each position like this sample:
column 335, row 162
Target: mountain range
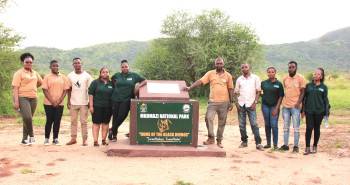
column 331, row 51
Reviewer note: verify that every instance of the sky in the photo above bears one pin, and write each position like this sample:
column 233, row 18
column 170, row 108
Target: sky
column 67, row 24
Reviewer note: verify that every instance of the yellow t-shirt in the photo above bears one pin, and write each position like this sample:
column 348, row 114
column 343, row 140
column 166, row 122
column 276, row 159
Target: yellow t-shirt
column 55, row 85
column 292, row 86
column 219, row 85
column 27, row 82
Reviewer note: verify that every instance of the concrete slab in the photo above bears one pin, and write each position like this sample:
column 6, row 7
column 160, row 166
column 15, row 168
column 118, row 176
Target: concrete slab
column 124, row 149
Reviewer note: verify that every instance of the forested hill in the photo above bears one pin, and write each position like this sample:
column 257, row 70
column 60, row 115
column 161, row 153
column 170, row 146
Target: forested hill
column 331, row 51
column 94, row 57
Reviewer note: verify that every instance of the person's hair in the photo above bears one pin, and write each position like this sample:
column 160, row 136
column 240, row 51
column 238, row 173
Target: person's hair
column 293, row 62
column 123, row 61
column 76, row 58
column 26, row 55
column 322, row 73
column 271, row 67
column 53, row 61
column 104, row 67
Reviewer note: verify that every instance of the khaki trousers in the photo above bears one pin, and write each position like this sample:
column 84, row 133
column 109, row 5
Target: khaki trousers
column 82, row 111
column 221, row 109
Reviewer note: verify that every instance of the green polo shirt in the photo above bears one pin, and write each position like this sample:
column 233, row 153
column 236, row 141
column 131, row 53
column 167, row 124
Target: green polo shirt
column 272, row 91
column 316, row 98
column 101, row 92
column 124, row 85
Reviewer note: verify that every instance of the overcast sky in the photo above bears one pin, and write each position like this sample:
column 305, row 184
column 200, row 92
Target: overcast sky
column 67, row 24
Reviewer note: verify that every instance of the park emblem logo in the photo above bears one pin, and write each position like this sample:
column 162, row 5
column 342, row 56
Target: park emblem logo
column 186, row 108
column 164, row 124
column 143, row 107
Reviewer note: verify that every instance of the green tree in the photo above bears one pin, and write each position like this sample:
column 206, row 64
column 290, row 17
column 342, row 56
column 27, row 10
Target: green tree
column 192, row 43
column 8, row 62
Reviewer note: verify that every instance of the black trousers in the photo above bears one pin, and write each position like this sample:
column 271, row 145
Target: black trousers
column 313, row 122
column 120, row 112
column 53, row 117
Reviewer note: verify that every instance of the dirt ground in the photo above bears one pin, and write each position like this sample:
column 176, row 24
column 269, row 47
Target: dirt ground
column 39, row 164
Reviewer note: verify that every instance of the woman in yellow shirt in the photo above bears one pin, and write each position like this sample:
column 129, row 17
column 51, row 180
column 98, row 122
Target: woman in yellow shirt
column 24, row 91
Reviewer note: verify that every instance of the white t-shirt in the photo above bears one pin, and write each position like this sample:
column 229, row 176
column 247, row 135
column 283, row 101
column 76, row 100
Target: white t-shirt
column 80, row 84
column 246, row 88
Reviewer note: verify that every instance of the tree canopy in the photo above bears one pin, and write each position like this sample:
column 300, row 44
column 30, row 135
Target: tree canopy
column 9, row 62
column 192, row 43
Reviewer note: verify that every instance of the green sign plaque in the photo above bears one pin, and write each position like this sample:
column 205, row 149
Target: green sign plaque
column 164, row 123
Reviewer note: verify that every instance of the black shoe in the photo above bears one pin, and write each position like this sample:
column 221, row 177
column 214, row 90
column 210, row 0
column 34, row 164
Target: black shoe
column 110, row 134
column 267, row 146
column 25, row 142
column 243, row 145
column 275, row 147
column 295, row 149
column 284, row 148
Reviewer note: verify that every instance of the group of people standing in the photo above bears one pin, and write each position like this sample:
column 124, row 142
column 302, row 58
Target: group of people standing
column 298, row 99
column 103, row 97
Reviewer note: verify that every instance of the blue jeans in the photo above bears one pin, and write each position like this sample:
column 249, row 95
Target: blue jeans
column 242, row 115
column 291, row 114
column 271, row 122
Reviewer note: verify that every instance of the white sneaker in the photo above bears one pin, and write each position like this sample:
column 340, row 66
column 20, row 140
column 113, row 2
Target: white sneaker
column 31, row 140
column 56, row 142
column 46, row 142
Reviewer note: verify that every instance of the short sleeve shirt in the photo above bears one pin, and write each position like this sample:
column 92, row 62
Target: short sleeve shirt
column 27, row 82
column 80, row 84
column 292, row 87
column 125, row 85
column 246, row 88
column 219, row 83
column 272, row 91
column 102, row 93
column 55, row 84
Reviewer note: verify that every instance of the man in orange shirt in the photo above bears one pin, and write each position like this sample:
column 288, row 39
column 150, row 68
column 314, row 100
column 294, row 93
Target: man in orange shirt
column 294, row 86
column 55, row 86
column 220, row 99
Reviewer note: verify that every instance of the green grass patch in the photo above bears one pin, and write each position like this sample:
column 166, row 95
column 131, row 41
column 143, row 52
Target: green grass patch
column 27, row 171
column 180, row 182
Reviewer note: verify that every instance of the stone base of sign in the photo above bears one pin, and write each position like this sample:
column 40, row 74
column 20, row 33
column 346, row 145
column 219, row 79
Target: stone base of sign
column 123, row 149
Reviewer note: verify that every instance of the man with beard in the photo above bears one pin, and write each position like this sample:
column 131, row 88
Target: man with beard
column 294, row 86
column 220, row 99
column 248, row 90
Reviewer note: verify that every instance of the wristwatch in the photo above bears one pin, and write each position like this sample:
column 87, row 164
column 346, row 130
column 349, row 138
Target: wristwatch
column 256, row 102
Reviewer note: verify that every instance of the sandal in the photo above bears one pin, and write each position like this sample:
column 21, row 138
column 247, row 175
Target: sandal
column 104, row 142
column 96, row 143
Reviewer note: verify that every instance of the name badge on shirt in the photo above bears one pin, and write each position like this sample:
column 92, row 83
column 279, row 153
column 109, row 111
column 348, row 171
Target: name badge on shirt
column 276, row 86
column 320, row 89
column 109, row 87
column 129, row 79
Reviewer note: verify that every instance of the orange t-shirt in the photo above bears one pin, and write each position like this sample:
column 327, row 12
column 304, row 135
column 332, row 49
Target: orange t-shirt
column 219, row 85
column 55, row 85
column 27, row 82
column 292, row 87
